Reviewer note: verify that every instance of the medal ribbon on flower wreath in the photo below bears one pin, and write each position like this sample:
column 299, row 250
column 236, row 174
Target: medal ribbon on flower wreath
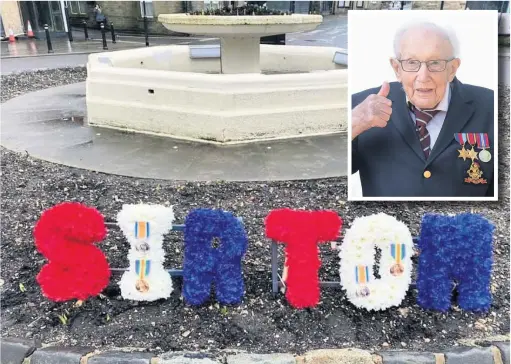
column 482, row 143
column 142, row 231
column 462, row 139
column 142, row 268
column 398, row 252
column 361, row 278
column 474, row 172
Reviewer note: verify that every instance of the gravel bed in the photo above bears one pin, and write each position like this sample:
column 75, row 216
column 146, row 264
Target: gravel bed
column 263, row 323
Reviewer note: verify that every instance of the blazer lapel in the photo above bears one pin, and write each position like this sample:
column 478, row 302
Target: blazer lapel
column 403, row 122
column 459, row 113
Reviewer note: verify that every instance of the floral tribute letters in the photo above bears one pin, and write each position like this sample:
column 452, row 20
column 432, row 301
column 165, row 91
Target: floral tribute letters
column 144, row 226
column 206, row 263
column 357, row 255
column 301, row 231
column 455, row 248
column 65, row 234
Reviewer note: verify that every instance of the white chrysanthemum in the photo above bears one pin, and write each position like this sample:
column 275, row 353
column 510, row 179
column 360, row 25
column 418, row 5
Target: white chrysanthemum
column 151, row 222
column 366, row 233
column 159, row 217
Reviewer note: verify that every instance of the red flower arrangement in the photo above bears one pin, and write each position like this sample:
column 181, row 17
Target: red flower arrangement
column 65, row 234
column 301, row 231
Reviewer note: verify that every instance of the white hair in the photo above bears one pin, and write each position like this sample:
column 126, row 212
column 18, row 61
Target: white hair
column 446, row 33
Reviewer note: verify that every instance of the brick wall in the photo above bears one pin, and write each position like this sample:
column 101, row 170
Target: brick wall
column 127, row 15
column 454, row 5
column 11, row 18
column 435, row 5
column 426, row 5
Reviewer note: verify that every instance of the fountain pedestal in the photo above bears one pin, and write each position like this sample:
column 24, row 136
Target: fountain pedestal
column 240, row 36
column 240, row 55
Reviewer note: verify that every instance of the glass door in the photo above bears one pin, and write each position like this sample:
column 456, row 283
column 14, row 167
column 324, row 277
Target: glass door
column 56, row 16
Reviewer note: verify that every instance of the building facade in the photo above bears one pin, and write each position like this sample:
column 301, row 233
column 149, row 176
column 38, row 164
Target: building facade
column 10, row 18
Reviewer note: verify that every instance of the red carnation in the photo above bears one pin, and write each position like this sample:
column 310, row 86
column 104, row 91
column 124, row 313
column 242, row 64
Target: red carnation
column 302, row 231
column 65, row 235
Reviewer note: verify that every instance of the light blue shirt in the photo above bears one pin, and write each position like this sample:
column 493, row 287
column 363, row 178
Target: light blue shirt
column 436, row 123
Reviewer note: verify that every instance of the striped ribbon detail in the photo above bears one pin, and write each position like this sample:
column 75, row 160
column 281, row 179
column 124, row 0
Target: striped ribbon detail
column 398, row 252
column 362, row 274
column 461, row 138
column 482, row 140
column 141, row 230
column 142, row 267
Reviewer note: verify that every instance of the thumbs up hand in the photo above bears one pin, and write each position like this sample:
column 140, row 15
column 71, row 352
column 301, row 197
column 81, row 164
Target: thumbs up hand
column 374, row 111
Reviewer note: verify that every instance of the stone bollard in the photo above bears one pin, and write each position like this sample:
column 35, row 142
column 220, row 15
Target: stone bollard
column 48, row 40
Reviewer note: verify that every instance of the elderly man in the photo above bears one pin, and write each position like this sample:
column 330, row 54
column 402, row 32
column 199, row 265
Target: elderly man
column 427, row 135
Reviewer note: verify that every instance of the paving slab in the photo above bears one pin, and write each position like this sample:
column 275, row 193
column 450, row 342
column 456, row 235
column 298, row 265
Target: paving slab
column 59, row 355
column 338, row 356
column 14, row 351
column 119, row 357
column 261, row 359
column 407, row 357
column 475, row 355
column 51, row 125
column 504, row 350
column 186, row 357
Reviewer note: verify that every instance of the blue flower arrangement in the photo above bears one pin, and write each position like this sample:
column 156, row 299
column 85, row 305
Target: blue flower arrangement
column 455, row 249
column 205, row 264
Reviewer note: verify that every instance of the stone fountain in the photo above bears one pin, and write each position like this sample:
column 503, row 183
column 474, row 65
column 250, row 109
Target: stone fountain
column 238, row 92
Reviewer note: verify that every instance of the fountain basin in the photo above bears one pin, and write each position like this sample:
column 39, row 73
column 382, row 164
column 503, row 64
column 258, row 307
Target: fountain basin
column 164, row 91
column 239, row 35
column 243, row 25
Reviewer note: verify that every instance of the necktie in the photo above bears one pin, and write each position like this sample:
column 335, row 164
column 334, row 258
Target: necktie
column 422, row 118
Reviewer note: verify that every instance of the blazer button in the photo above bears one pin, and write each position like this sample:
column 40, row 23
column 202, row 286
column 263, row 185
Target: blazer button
column 427, row 174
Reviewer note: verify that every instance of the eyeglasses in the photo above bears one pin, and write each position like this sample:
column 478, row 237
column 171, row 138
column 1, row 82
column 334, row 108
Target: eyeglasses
column 413, row 65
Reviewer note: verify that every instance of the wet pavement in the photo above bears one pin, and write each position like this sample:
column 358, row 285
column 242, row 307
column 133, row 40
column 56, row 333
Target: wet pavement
column 49, row 125
column 332, row 32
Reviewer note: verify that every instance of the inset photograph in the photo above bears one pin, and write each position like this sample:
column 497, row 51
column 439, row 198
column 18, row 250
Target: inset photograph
column 423, row 120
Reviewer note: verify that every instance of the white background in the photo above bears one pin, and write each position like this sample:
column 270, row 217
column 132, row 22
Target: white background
column 371, row 38
column 371, row 44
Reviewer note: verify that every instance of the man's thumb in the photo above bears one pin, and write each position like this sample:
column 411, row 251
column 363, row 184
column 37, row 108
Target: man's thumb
column 385, row 89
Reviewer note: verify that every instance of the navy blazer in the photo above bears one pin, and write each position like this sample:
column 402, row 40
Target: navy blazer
column 390, row 159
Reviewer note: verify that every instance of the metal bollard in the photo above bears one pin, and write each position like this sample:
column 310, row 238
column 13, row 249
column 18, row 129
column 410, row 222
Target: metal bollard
column 48, row 40
column 103, row 35
column 85, row 30
column 113, row 32
column 146, row 32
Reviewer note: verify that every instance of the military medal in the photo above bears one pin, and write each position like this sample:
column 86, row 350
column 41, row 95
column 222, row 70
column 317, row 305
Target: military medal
column 475, row 174
column 398, row 252
column 142, row 232
column 362, row 277
column 472, row 140
column 142, row 269
column 462, row 139
column 483, row 143
column 142, row 247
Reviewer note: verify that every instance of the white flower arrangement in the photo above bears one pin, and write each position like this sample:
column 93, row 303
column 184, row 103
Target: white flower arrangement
column 144, row 226
column 357, row 254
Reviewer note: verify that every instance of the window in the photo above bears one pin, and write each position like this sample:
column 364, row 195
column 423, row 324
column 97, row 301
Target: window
column 78, row 7
column 149, row 10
